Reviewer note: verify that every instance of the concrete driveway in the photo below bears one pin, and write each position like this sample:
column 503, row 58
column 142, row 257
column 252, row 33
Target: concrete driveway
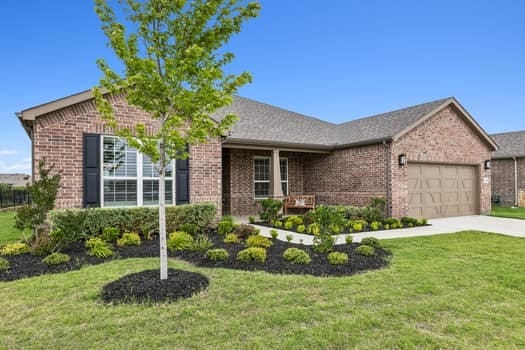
column 509, row 227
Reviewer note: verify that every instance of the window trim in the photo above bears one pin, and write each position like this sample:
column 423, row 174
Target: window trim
column 139, row 178
column 270, row 176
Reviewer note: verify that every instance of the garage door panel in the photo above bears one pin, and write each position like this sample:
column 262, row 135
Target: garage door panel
column 442, row 190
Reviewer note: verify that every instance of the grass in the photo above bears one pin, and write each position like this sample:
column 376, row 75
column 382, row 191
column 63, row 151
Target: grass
column 462, row 290
column 506, row 212
column 8, row 233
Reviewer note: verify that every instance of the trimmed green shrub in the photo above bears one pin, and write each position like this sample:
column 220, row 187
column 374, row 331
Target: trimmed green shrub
column 314, row 229
column 274, row 233
column 386, row 227
column 410, row 224
column 270, row 209
column 371, row 241
column 190, row 229
column 43, row 245
column 129, row 238
column 243, row 231
column 56, row 259
column 84, row 223
column 375, row 225
column 289, row 238
column 277, row 223
column 335, row 229
column 301, row 228
column 258, row 241
column 225, row 226
column 99, row 248
column 297, row 256
column 337, row 258
column 251, row 219
column 406, row 220
column 14, row 249
column 201, row 243
column 349, row 239
column 288, row 225
column 4, row 264
column 179, row 240
column 110, row 234
column 217, row 254
column 231, row 238
column 365, row 250
column 295, row 220
column 393, row 223
column 256, row 254
column 323, row 244
column 421, row 222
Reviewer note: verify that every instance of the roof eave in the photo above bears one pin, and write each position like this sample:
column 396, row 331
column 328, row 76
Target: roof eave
column 363, row 143
column 276, row 144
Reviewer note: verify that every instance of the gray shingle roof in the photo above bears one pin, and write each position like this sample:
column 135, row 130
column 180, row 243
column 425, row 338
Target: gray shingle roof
column 262, row 123
column 511, row 144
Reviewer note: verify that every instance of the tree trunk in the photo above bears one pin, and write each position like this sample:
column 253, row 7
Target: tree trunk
column 162, row 214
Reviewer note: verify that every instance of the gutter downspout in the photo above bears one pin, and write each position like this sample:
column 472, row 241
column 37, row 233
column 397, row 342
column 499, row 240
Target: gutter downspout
column 388, row 175
column 516, row 192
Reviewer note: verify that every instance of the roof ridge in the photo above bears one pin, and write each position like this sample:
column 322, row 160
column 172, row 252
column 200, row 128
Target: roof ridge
column 397, row 110
column 508, row 132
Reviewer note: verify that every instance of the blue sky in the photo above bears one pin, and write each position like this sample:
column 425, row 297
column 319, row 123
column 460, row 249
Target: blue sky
column 337, row 60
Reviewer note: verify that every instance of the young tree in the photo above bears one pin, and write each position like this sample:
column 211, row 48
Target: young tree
column 173, row 69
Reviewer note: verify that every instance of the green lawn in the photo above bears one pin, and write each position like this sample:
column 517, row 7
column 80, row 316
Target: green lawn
column 463, row 291
column 505, row 212
column 8, row 233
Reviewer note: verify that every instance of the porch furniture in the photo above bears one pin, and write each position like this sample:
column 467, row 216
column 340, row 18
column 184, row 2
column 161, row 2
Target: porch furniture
column 298, row 201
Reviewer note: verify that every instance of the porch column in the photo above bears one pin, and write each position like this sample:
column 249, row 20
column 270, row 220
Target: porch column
column 277, row 190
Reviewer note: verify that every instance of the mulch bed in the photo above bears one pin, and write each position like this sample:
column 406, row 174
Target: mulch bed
column 26, row 265
column 147, row 287
column 344, row 232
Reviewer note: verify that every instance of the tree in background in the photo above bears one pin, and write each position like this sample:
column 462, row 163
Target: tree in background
column 173, row 69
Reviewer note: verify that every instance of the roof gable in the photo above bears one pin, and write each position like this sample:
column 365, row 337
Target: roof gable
column 510, row 144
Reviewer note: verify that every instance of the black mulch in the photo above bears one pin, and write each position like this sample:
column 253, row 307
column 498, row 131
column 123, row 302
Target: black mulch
column 147, row 287
column 26, row 265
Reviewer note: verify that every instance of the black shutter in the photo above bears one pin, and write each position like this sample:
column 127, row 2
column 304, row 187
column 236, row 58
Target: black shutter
column 182, row 181
column 91, row 174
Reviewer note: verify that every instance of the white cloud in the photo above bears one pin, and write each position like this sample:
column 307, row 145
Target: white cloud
column 23, row 166
column 8, row 152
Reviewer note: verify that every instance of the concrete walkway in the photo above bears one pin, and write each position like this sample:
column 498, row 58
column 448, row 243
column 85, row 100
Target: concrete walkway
column 509, row 227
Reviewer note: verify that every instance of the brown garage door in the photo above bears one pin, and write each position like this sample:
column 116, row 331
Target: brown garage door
column 436, row 191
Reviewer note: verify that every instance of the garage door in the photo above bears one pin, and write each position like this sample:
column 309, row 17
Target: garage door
column 436, row 191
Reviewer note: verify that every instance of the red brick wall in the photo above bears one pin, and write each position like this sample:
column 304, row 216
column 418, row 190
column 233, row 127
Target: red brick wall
column 443, row 138
column 58, row 137
column 503, row 183
column 238, row 163
column 350, row 176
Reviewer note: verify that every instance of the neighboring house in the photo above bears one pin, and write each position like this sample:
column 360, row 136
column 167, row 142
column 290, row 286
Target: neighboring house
column 508, row 169
column 427, row 160
column 15, row 180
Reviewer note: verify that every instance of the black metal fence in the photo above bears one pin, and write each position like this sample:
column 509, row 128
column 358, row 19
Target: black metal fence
column 13, row 197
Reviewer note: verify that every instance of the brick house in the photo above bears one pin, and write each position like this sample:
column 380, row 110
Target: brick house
column 508, row 169
column 427, row 160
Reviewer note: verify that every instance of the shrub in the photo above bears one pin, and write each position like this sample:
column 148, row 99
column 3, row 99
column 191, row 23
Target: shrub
column 98, row 248
column 179, row 240
column 335, row 229
column 190, row 229
column 243, row 231
column 410, row 224
column 69, row 222
column 231, row 238
column 375, row 225
column 371, row 241
column 297, row 256
column 258, row 241
column 270, row 209
column 274, row 233
column 289, row 238
column 357, row 227
column 130, row 238
column 295, row 220
column 314, row 229
column 56, row 259
column 393, row 223
column 251, row 219
column 301, row 228
column 288, row 225
column 326, row 217
column 43, row 245
column 349, row 239
column 406, row 221
column 14, row 249
column 421, row 222
column 365, row 250
column 225, row 227
column 110, row 234
column 323, row 244
column 277, row 223
column 386, row 227
column 257, row 254
column 337, row 258
column 201, row 244
column 217, row 254
column 4, row 264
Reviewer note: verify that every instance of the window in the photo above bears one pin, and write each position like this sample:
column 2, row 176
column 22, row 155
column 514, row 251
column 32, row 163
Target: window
column 262, row 175
column 129, row 178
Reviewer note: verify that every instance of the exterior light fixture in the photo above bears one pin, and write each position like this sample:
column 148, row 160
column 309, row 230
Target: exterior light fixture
column 488, row 164
column 402, row 159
